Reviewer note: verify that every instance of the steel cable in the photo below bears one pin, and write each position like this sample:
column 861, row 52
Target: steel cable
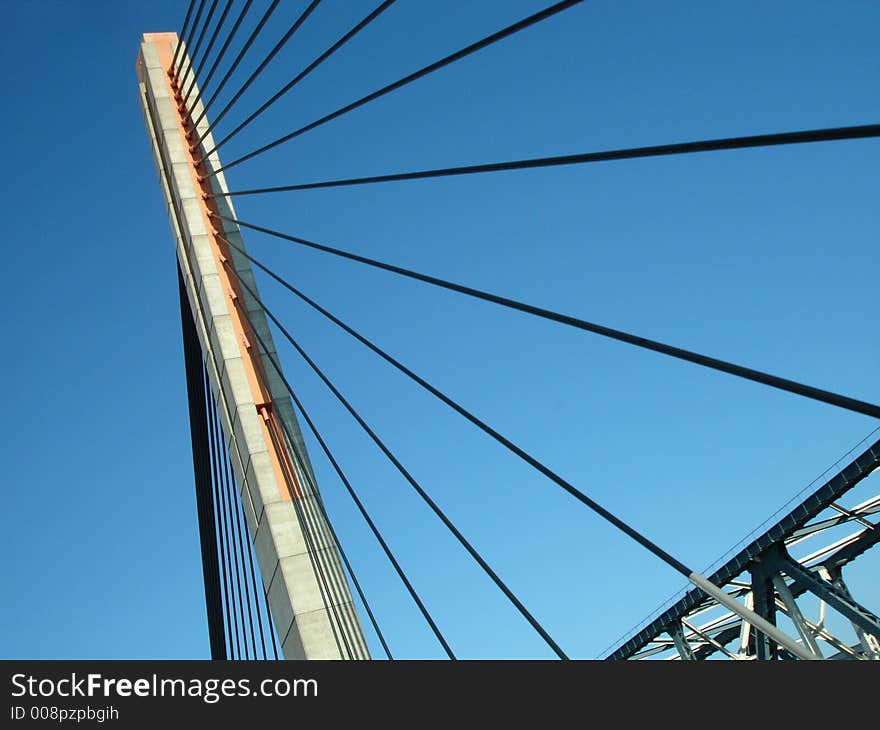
column 375, row 530
column 221, row 53
column 265, row 62
column 208, row 49
column 254, row 33
column 302, row 74
column 183, row 30
column 791, row 386
column 474, row 553
column 468, row 50
column 175, row 78
column 713, row 145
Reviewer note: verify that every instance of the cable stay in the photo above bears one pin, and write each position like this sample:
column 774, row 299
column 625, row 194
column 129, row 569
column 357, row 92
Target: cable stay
column 302, row 74
column 412, row 481
column 229, row 507
column 323, row 510
column 306, row 474
column 211, row 41
column 265, row 62
column 312, row 551
column 346, row 561
column 791, row 386
column 243, row 540
column 252, row 570
column 229, row 504
column 697, row 579
column 352, row 493
column 236, row 567
column 458, row 55
column 231, row 581
column 461, row 410
column 182, row 34
column 222, row 52
column 223, row 538
column 237, row 563
column 195, row 52
column 208, row 526
column 177, row 79
column 682, row 148
column 241, row 54
column 220, row 513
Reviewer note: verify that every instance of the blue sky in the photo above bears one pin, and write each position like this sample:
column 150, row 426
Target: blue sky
column 765, row 257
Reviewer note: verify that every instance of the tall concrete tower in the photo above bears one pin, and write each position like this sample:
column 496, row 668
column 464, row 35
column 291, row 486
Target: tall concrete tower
column 307, row 591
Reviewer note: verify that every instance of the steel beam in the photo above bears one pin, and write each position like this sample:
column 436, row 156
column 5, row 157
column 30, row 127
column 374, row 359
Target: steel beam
column 681, row 643
column 828, row 493
column 765, row 605
column 835, row 597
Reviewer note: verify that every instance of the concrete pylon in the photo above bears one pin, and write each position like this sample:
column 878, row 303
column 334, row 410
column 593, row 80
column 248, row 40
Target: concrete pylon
column 308, row 594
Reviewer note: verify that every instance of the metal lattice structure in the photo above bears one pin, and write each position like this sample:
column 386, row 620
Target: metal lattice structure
column 765, row 576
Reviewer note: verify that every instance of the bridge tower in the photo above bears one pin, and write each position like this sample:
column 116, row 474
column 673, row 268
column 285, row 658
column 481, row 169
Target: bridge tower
column 230, row 355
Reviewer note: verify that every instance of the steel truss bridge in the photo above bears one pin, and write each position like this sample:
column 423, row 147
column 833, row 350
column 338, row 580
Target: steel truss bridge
column 277, row 580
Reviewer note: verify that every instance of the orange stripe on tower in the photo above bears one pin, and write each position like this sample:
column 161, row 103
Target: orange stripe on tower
column 285, row 475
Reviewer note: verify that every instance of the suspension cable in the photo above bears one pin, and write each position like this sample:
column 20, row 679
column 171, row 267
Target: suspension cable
column 474, row 553
column 730, row 143
column 791, row 386
column 473, row 48
column 302, row 74
column 265, row 62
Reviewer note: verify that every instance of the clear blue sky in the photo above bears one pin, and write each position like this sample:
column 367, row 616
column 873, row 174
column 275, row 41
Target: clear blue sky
column 765, row 257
